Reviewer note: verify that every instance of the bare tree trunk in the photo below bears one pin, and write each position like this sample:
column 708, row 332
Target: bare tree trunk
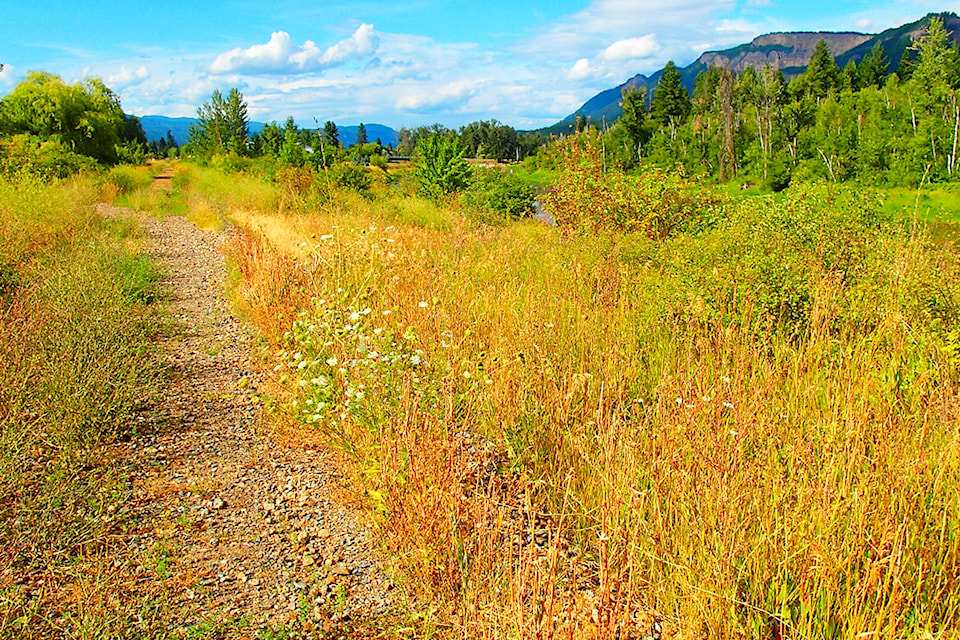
column 956, row 126
column 829, row 165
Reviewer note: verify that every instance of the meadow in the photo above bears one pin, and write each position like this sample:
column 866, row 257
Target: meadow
column 718, row 416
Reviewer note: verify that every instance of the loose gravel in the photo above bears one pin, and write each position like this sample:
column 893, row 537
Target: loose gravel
column 228, row 522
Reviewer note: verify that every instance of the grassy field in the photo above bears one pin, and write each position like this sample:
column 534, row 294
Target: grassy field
column 731, row 417
column 76, row 321
column 747, row 426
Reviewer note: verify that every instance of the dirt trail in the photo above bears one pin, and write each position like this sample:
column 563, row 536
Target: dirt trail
column 231, row 528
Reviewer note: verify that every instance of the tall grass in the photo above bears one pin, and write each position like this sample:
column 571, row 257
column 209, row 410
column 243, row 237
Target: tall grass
column 743, row 424
column 75, row 329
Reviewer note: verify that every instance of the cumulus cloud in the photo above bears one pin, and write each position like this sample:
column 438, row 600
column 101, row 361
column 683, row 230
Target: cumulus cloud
column 446, row 96
column 581, row 69
column 127, row 77
column 632, row 48
column 280, row 55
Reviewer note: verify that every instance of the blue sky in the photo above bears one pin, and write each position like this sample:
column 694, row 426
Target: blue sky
column 527, row 63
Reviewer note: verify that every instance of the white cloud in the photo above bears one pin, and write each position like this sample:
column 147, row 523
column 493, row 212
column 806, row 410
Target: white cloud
column 581, row 69
column 448, row 95
column 281, row 56
column 8, row 75
column 127, row 77
column 642, row 47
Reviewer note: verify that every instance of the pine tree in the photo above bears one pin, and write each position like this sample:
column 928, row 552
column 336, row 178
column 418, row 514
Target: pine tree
column 874, row 67
column 822, row 73
column 361, row 134
column 634, row 104
column 906, row 65
column 330, row 134
column 671, row 102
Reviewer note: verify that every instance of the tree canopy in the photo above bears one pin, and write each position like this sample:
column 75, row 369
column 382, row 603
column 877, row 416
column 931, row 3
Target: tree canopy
column 84, row 117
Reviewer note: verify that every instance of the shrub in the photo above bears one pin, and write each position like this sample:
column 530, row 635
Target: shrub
column 440, row 167
column 498, row 196
column 589, row 196
column 29, row 154
column 349, row 176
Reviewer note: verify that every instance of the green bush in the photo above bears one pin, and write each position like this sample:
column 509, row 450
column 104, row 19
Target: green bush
column 32, row 155
column 440, row 167
column 349, row 176
column 498, row 196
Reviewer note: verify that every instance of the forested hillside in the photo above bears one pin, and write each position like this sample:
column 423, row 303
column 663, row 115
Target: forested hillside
column 862, row 122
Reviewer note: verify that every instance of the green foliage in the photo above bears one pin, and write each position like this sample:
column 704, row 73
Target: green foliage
column 671, row 102
column 361, row 134
column 440, row 167
column 349, row 176
column 497, row 196
column 822, row 75
column 84, row 118
column 223, row 125
column 587, row 197
column 874, row 67
column 330, row 134
column 633, row 101
column 45, row 158
column 489, row 139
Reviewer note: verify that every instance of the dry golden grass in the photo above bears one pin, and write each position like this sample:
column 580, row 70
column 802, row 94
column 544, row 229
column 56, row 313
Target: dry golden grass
column 680, row 451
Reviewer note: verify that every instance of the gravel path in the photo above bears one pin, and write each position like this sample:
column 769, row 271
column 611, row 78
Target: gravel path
column 232, row 527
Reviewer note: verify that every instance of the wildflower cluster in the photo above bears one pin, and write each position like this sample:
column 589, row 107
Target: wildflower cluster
column 346, row 366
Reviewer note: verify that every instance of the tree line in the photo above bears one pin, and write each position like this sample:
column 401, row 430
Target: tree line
column 859, row 123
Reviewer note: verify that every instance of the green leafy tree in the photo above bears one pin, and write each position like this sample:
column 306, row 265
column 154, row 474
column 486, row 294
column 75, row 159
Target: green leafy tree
column 361, row 134
column 440, row 167
column 671, row 101
column 84, row 117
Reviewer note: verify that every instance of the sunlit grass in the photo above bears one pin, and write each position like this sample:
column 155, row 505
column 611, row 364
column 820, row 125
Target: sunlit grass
column 748, row 429
column 75, row 330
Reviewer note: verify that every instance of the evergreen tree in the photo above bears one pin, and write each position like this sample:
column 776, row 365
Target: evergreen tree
column 874, row 67
column 822, row 73
column 906, row 65
column 237, row 122
column 223, row 124
column 671, row 102
column 330, row 134
column 361, row 134
column 634, row 104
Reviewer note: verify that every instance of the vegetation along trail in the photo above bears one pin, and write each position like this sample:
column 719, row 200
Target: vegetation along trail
column 240, row 533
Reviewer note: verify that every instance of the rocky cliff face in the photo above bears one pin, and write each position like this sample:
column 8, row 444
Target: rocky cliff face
column 781, row 50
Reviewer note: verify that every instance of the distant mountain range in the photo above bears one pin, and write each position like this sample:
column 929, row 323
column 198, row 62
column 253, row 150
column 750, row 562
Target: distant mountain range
column 156, row 127
column 789, row 52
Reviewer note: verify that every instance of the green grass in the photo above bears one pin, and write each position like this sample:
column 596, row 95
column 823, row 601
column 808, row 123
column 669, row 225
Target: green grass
column 936, row 206
column 77, row 318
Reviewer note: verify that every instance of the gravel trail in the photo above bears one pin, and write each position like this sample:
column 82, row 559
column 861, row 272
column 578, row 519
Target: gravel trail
column 232, row 527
